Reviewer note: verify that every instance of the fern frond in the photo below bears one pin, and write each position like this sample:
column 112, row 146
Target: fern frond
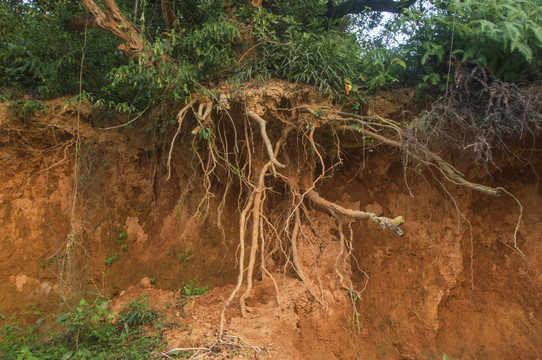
column 536, row 30
column 526, row 51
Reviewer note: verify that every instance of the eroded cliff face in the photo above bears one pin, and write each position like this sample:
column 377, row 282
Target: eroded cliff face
column 129, row 222
column 453, row 284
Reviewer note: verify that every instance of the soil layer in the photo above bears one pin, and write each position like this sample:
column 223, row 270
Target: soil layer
column 454, row 284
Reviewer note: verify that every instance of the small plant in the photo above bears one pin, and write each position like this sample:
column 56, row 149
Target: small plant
column 359, row 100
column 124, row 247
column 184, row 256
column 49, row 261
column 26, row 108
column 136, row 313
column 191, row 290
column 110, row 260
column 205, row 133
column 121, row 236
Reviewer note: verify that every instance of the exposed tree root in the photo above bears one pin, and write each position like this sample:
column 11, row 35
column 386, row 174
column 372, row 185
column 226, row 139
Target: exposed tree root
column 295, row 256
column 516, row 248
column 452, row 174
column 222, row 345
column 256, row 213
column 368, row 125
column 336, row 210
column 180, row 118
column 265, row 138
column 257, row 161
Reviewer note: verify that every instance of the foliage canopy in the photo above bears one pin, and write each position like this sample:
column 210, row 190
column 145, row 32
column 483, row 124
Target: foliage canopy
column 208, row 41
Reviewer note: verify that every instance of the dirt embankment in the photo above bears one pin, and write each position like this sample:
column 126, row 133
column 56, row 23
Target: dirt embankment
column 454, row 284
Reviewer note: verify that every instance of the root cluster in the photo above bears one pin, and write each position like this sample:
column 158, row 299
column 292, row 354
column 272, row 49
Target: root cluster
column 285, row 153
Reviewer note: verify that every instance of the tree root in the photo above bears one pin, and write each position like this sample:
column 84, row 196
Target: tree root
column 345, row 272
column 335, row 210
column 260, row 162
column 223, row 343
column 254, row 204
column 256, row 213
column 366, row 125
column 452, row 174
column 265, row 138
column 180, row 117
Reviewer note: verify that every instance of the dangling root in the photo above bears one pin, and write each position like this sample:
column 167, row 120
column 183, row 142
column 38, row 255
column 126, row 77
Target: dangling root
column 254, row 204
column 242, row 228
column 453, row 175
column 180, row 118
column 256, row 213
column 361, row 124
column 265, row 138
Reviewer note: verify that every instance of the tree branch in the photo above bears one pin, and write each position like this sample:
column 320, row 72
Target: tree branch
column 113, row 20
column 359, row 6
column 170, row 18
column 80, row 22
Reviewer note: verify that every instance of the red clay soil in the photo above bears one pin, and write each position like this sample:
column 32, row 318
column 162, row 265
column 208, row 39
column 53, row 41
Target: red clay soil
column 454, row 284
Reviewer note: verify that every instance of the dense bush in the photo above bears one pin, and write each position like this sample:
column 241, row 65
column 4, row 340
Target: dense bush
column 38, row 54
column 216, row 41
column 89, row 332
column 502, row 35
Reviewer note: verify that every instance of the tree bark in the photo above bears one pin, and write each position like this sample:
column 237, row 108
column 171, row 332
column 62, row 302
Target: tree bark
column 113, row 20
column 80, row 22
column 170, row 18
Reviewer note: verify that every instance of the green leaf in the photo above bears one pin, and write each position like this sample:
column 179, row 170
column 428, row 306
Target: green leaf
column 526, row 51
column 67, row 355
column 536, row 31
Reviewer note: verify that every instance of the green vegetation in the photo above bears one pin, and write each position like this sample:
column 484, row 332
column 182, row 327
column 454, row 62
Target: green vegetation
column 503, row 35
column 184, row 256
column 89, row 332
column 208, row 41
column 190, row 289
column 121, row 236
column 170, row 58
column 111, row 259
column 38, row 54
column 26, row 108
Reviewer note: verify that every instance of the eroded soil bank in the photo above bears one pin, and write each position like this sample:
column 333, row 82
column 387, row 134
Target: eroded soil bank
column 454, row 284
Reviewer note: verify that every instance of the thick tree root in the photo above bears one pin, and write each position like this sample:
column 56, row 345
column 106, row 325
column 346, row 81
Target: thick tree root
column 335, row 210
column 265, row 138
column 180, row 118
column 451, row 173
